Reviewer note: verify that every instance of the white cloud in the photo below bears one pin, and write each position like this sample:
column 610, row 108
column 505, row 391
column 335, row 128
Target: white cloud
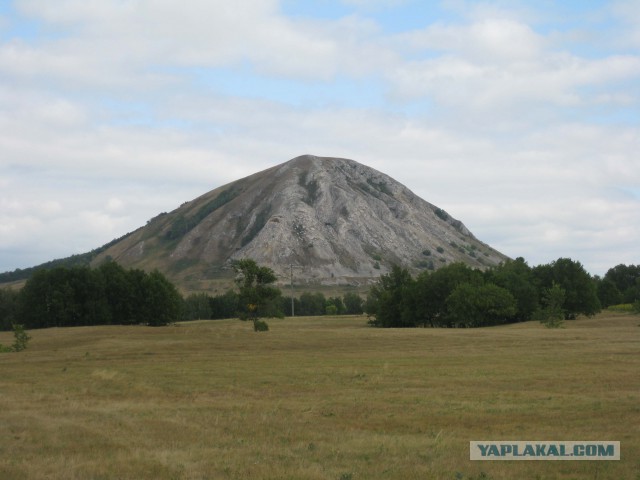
column 103, row 123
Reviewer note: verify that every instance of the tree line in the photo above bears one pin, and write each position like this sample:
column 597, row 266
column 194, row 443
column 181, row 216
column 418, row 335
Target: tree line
column 452, row 296
column 80, row 295
column 459, row 296
column 110, row 294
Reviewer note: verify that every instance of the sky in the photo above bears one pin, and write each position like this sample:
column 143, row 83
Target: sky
column 519, row 118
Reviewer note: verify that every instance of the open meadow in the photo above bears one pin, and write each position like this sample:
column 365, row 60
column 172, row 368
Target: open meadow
column 316, row 398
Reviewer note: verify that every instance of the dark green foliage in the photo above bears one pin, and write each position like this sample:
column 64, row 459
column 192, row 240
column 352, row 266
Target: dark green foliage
column 428, row 264
column 552, row 313
column 286, row 306
column 380, row 186
column 608, row 293
column 337, row 304
column 182, row 225
column 21, row 338
column 314, row 304
column 160, row 302
column 479, row 306
column 196, row 306
column 257, row 297
column 353, row 303
column 110, row 294
column 80, row 260
column 389, row 299
column 258, row 225
column 517, row 277
column 440, row 250
column 441, row 214
column 8, row 306
column 312, row 188
column 626, row 279
column 260, row 326
column 225, row 305
column 459, row 296
column 311, row 304
column 428, row 299
column 580, row 289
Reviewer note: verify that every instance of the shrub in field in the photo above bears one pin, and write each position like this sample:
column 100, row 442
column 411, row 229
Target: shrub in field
column 260, row 326
column 552, row 314
column 20, row 342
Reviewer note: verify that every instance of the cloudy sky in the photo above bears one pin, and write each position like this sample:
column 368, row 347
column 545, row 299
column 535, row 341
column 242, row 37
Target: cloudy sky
column 520, row 118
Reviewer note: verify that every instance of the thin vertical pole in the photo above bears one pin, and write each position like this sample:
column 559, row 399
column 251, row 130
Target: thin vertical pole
column 293, row 314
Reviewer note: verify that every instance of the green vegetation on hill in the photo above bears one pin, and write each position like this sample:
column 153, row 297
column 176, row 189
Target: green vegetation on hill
column 182, row 224
column 79, row 260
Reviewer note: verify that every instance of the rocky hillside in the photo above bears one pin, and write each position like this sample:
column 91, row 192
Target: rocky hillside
column 343, row 222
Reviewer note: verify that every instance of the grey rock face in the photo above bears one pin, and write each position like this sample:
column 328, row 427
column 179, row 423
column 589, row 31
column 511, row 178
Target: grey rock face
column 345, row 223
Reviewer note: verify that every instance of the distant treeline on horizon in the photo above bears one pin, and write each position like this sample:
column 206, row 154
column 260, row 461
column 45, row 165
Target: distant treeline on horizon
column 452, row 296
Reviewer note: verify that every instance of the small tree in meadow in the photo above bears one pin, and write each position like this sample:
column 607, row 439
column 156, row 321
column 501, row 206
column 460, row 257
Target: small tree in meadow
column 256, row 295
column 552, row 314
column 20, row 342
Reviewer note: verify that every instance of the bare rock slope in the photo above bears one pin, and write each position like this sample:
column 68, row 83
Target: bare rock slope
column 345, row 223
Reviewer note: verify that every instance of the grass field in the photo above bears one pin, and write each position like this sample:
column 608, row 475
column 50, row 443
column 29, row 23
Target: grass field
column 316, row 398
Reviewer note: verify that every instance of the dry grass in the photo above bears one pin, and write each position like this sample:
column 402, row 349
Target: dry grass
column 326, row 398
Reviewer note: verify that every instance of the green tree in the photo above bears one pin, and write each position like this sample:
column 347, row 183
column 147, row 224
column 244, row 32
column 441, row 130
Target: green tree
column 474, row 305
column 8, row 307
column 517, row 277
column 552, row 314
column 120, row 292
column 196, row 306
column 580, row 289
column 608, row 292
column 79, row 295
column 225, row 305
column 331, row 309
column 257, row 296
column 626, row 278
column 389, row 299
column 353, row 303
column 431, row 290
column 161, row 302
column 21, row 338
column 337, row 303
column 311, row 304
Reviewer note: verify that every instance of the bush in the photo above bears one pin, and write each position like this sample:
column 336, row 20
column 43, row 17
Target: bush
column 20, row 342
column 260, row 326
column 552, row 314
column 622, row 307
column 21, row 338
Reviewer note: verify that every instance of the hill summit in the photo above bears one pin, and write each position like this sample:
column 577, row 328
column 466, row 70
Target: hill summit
column 341, row 221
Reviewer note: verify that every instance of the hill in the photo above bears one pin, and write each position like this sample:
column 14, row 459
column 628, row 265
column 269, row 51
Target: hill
column 342, row 222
